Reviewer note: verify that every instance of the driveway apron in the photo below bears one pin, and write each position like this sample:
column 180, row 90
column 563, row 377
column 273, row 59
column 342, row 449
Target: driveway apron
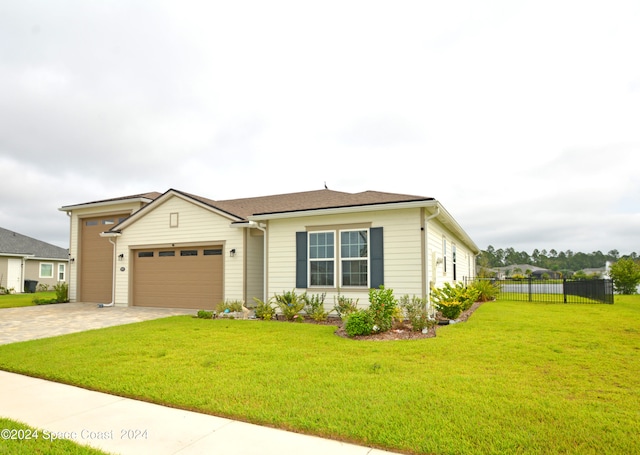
column 43, row 321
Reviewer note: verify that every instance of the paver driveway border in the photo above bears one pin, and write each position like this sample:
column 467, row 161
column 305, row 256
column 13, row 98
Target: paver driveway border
column 43, row 321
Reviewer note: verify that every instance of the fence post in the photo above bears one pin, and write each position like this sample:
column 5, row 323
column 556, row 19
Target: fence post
column 564, row 289
column 530, row 293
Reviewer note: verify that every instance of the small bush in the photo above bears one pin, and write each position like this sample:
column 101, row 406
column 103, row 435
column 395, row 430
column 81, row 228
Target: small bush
column 290, row 304
column 486, row 289
column 358, row 323
column 451, row 301
column 450, row 309
column 314, row 306
column 45, row 301
column 42, row 287
column 416, row 311
column 62, row 292
column 233, row 306
column 382, row 306
column 344, row 306
column 264, row 310
column 203, row 314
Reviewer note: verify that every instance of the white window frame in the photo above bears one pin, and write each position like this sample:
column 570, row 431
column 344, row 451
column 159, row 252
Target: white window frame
column 310, row 260
column 342, row 259
column 40, row 274
column 62, row 272
column 444, row 255
column 338, row 259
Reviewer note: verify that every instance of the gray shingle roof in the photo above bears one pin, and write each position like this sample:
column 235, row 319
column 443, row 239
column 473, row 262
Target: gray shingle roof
column 14, row 243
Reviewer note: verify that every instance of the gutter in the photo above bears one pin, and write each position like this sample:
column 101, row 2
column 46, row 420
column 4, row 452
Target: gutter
column 109, row 236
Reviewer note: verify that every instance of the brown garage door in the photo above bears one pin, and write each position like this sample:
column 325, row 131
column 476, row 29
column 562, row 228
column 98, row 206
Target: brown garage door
column 178, row 277
column 96, row 258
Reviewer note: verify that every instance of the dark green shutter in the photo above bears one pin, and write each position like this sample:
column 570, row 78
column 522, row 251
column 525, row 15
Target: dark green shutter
column 301, row 260
column 376, row 247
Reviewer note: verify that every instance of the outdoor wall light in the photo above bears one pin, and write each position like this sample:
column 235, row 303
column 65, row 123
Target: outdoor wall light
column 232, row 252
column 72, row 260
column 121, row 257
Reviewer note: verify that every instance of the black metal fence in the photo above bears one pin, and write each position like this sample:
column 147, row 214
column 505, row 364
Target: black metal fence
column 556, row 291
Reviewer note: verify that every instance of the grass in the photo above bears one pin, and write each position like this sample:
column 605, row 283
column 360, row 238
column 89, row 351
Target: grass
column 20, row 439
column 517, row 377
column 19, row 300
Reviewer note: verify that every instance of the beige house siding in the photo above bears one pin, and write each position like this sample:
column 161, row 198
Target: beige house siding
column 402, row 253
column 254, row 266
column 32, row 271
column 465, row 258
column 195, row 226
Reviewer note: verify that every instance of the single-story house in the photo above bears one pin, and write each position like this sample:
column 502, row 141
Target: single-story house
column 25, row 258
column 525, row 269
column 181, row 250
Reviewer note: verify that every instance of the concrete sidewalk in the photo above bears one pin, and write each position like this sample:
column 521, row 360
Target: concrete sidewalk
column 122, row 426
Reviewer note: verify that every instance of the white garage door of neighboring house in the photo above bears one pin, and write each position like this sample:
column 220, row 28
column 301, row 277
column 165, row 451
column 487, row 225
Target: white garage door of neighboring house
column 187, row 277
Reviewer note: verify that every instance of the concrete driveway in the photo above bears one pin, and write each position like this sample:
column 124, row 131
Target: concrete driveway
column 42, row 321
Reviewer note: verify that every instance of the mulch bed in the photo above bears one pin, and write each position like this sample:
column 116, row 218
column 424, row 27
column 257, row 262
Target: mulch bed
column 405, row 332
column 398, row 333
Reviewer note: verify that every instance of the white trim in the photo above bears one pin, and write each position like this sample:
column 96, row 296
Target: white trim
column 53, row 272
column 69, row 208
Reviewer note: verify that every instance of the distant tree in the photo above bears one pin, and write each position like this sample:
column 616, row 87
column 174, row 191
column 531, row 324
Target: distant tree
column 626, row 276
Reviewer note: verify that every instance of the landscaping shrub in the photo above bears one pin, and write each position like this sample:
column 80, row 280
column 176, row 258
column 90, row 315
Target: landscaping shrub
column 62, row 292
column 290, row 304
column 486, row 289
column 264, row 310
column 314, row 306
column 416, row 312
column 344, row 306
column 450, row 301
column 234, row 306
column 359, row 322
column 203, row 314
column 382, row 306
column 45, row 301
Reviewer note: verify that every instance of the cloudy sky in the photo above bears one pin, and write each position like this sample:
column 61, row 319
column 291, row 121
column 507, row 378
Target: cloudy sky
column 521, row 117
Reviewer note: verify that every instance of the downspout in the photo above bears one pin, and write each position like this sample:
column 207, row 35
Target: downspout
column 426, row 242
column 262, row 227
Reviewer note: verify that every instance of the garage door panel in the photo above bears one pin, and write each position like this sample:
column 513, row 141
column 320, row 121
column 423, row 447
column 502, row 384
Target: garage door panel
column 178, row 281
column 96, row 259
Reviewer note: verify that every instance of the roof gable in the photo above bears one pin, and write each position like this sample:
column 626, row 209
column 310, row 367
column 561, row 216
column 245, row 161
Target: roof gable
column 157, row 202
column 14, row 243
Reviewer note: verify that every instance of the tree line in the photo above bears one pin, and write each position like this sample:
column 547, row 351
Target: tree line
column 551, row 259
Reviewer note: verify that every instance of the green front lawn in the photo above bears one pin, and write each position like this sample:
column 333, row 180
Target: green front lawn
column 516, row 378
column 19, row 439
column 18, row 300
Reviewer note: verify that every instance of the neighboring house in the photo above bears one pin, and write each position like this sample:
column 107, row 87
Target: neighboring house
column 525, row 269
column 180, row 250
column 600, row 272
column 25, row 258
